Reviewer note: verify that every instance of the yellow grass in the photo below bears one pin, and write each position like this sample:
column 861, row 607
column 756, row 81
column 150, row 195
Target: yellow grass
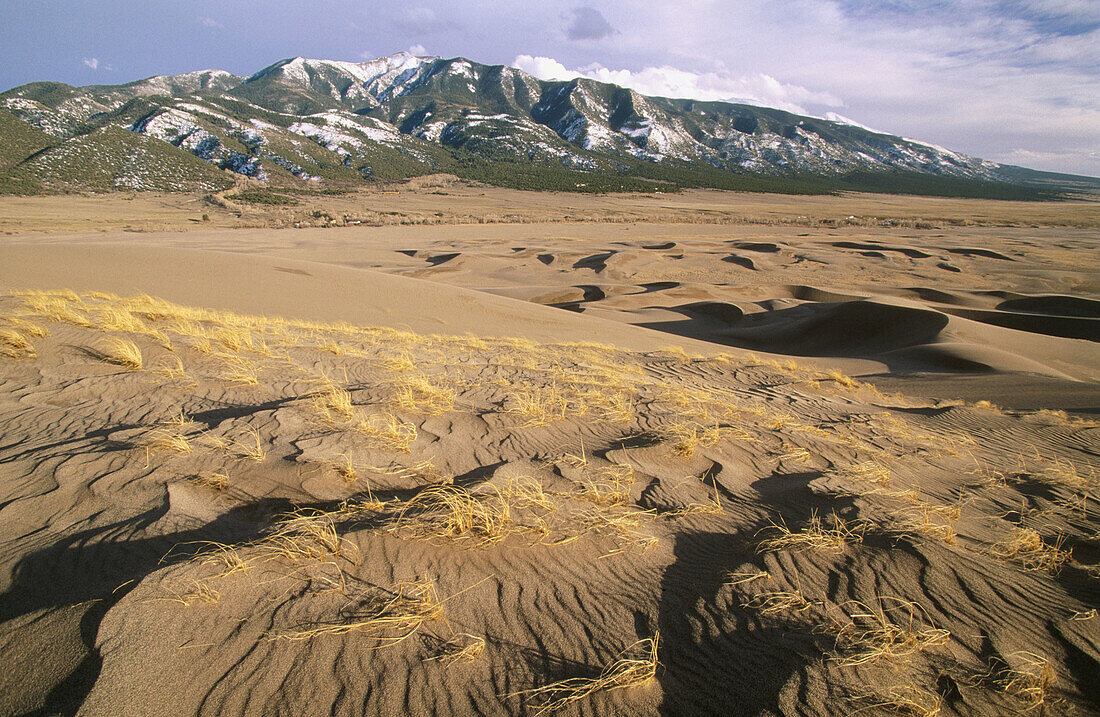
column 623, row 525
column 1027, row 547
column 891, row 629
column 418, row 395
column 460, row 648
column 744, row 577
column 251, row 447
column 214, row 481
column 198, row 592
column 389, row 431
column 168, row 439
column 924, row 518
column 13, row 344
column 120, row 352
column 1024, row 675
column 334, row 404
column 606, row 486
column 310, row 534
column 387, row 617
column 688, row 436
column 912, row 700
column 453, row 512
column 833, row 534
column 171, row 367
column 345, row 468
column 780, row 601
column 868, row 471
column 636, row 665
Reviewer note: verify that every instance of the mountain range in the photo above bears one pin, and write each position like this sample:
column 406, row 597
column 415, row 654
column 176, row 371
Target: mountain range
column 327, row 123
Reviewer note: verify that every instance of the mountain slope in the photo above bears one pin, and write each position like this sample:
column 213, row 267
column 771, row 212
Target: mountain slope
column 321, row 120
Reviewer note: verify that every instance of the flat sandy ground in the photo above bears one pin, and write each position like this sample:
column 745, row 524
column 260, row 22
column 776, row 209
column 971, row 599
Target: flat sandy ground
column 474, row 450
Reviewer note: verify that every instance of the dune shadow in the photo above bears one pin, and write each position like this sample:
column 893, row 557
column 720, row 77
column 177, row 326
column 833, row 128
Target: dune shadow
column 719, row 656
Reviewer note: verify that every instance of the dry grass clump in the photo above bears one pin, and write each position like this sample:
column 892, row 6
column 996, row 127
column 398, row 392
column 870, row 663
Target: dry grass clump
column 424, row 472
column 452, row 512
column 309, row 534
column 623, row 526
column 1027, row 547
column 173, row 438
column 334, row 404
column 171, row 367
column 460, row 648
column 120, row 352
column 743, row 577
column 13, row 344
column 418, row 395
column 542, row 405
column 841, row 379
column 903, row 700
column 1065, row 474
column 389, row 431
column 636, row 665
column 386, row 616
column 892, row 629
column 1024, row 675
column 214, row 481
column 780, row 601
column 925, row 519
column 833, row 535
column 686, row 437
column 868, row 471
column 241, row 373
column 606, row 486
column 199, row 591
column 251, row 447
column 345, row 468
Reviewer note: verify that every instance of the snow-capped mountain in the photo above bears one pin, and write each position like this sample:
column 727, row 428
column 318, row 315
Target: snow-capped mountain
column 404, row 114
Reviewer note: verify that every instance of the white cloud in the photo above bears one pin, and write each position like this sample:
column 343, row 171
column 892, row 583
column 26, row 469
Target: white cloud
column 667, row 81
column 91, row 62
column 420, row 19
column 210, row 22
column 417, row 50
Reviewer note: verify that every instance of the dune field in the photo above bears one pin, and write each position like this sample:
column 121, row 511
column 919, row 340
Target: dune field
column 505, row 453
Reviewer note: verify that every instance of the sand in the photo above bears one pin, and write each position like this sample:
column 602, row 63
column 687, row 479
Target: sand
column 443, row 469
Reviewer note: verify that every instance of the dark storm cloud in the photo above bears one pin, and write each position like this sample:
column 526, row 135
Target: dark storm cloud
column 587, row 23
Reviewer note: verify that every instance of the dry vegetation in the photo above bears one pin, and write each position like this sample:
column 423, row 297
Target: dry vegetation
column 595, row 453
column 636, row 665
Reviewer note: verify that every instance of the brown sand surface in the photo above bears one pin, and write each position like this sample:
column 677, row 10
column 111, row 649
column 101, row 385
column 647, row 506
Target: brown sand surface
column 978, row 303
column 580, row 468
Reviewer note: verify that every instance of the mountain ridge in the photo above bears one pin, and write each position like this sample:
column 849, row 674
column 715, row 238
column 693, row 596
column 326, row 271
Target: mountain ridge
column 338, row 122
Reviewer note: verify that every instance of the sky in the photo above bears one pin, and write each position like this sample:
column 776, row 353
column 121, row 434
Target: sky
column 1014, row 81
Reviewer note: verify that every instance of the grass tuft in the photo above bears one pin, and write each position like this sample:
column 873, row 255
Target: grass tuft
column 831, row 535
column 1028, row 548
column 636, row 665
column 388, row 616
column 120, row 352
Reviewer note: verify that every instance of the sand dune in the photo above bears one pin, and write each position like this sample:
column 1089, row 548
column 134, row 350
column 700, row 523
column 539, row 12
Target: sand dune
column 552, row 468
column 231, row 514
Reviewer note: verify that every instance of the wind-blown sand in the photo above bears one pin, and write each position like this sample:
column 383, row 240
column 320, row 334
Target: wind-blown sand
column 472, row 462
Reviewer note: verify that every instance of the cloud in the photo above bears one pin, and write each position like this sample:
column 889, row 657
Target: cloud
column 420, row 20
column 210, row 22
column 667, row 81
column 417, row 50
column 587, row 23
column 91, row 62
column 1079, row 162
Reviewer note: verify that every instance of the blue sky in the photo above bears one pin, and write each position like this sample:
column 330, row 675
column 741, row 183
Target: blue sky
column 1014, row 81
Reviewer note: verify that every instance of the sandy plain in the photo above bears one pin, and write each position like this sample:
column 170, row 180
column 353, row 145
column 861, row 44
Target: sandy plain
column 463, row 450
